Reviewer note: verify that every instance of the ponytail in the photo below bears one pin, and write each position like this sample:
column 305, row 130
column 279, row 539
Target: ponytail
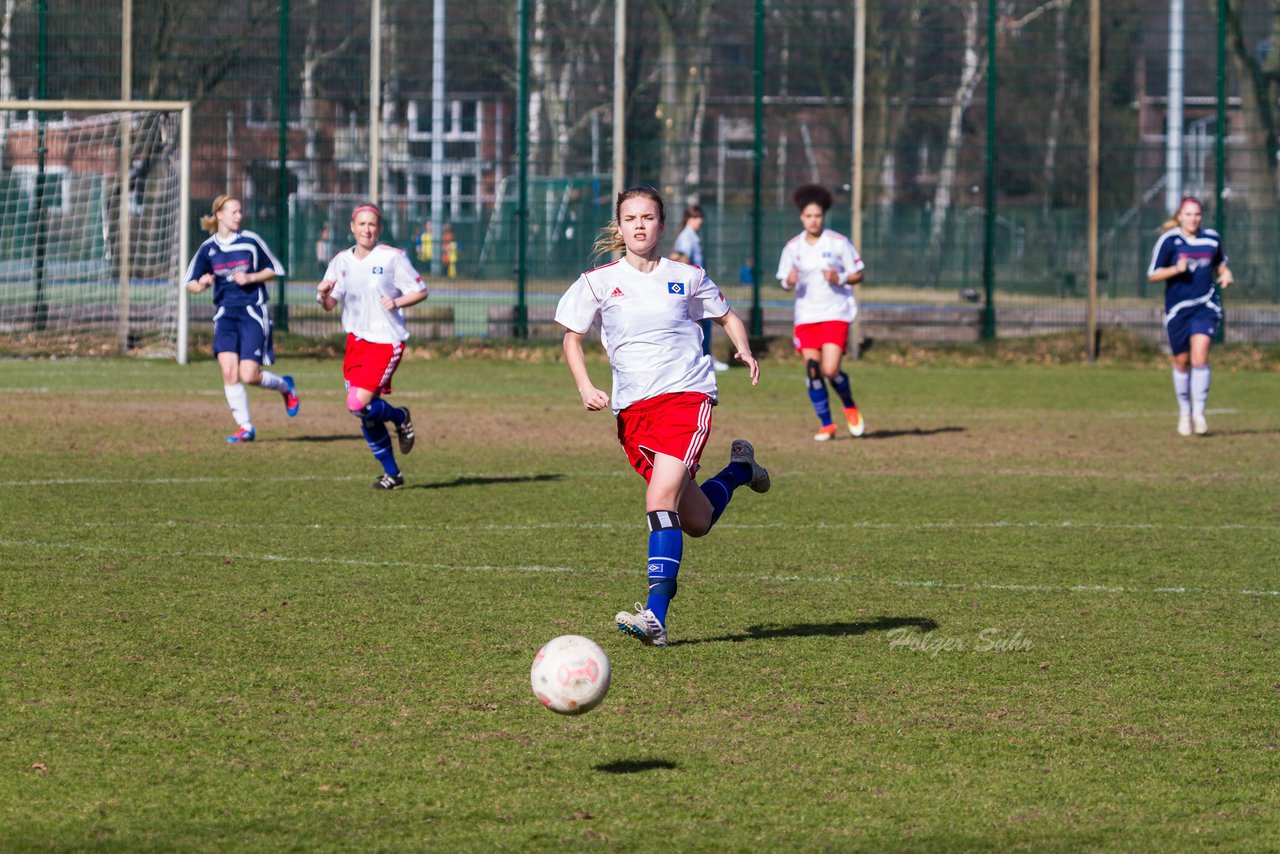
column 210, row 222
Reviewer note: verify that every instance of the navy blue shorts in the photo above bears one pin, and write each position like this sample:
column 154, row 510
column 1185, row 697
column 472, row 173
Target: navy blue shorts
column 245, row 331
column 1200, row 319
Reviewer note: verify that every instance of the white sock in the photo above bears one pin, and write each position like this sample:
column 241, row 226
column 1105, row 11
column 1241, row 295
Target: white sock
column 238, row 400
column 1199, row 389
column 274, row 382
column 1182, row 389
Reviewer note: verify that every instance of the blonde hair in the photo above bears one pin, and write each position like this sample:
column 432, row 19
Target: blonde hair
column 1172, row 222
column 610, row 238
column 210, row 222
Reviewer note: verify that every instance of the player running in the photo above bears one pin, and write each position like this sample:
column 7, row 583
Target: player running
column 238, row 264
column 663, row 388
column 1186, row 258
column 374, row 282
column 822, row 266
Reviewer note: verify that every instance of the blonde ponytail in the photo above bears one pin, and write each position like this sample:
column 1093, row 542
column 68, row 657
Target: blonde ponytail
column 210, row 222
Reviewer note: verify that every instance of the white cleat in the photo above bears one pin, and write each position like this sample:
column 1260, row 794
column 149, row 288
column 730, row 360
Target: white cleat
column 642, row 625
column 1184, row 425
column 742, row 452
column 1201, row 426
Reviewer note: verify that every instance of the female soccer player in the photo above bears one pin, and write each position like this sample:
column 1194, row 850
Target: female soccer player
column 1188, row 259
column 238, row 264
column 822, row 266
column 374, row 282
column 663, row 389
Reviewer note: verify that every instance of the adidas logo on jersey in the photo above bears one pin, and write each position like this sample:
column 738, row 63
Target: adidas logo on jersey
column 617, row 292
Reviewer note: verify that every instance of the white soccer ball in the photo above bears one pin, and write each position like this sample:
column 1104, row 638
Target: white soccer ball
column 570, row 675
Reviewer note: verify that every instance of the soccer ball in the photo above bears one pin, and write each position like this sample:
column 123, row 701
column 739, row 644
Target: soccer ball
column 570, row 675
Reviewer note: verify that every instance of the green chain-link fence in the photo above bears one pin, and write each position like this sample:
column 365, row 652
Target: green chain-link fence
column 729, row 105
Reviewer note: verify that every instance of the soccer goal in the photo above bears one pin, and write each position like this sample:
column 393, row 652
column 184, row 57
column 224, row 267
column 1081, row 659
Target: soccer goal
column 91, row 263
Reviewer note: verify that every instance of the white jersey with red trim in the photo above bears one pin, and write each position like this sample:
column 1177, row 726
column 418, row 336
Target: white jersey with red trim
column 648, row 325
column 362, row 282
column 817, row 300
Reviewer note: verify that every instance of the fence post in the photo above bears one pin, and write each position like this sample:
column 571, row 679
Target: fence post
column 989, row 218
column 282, row 193
column 1219, row 154
column 522, row 164
column 757, row 166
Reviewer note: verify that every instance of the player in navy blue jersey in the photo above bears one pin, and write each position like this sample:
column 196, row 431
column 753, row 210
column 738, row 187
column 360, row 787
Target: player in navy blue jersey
column 1190, row 261
column 238, row 265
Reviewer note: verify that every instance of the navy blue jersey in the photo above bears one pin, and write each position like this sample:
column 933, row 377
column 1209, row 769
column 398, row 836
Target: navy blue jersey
column 243, row 252
column 1203, row 253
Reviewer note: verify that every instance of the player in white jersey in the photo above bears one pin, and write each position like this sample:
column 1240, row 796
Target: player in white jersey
column 822, row 266
column 664, row 387
column 237, row 264
column 374, row 282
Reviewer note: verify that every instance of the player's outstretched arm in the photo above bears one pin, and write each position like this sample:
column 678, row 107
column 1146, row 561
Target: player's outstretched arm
column 593, row 399
column 737, row 332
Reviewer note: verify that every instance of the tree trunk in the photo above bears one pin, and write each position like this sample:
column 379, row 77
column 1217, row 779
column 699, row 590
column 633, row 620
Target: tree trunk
column 1259, row 91
column 683, row 36
column 971, row 73
column 1049, row 175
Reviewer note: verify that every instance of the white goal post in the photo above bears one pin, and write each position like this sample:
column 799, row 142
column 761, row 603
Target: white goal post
column 86, row 257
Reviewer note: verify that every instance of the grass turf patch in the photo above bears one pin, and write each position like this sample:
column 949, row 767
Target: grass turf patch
column 1020, row 613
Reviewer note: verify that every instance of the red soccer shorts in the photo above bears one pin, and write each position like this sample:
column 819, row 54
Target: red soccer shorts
column 369, row 365
column 811, row 336
column 676, row 424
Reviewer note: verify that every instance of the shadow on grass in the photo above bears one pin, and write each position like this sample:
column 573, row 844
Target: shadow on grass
column 485, row 481
column 808, row 630
column 1213, row 433
column 634, row 766
column 895, row 434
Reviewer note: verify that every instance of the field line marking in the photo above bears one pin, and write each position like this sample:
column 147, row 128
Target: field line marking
column 1021, row 588
column 274, row 558
column 830, row 579
column 1066, row 525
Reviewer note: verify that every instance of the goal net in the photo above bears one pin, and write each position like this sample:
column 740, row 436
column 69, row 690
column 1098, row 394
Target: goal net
column 93, row 226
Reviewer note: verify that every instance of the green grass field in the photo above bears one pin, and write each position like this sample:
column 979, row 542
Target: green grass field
column 1021, row 613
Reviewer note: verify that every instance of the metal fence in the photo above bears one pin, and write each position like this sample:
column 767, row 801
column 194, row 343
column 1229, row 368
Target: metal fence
column 490, row 133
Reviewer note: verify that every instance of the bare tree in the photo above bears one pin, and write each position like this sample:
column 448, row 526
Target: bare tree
column 1259, row 94
column 972, row 70
column 683, row 28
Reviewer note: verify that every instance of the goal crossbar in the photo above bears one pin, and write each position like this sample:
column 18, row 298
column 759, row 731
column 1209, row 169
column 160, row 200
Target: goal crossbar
column 183, row 109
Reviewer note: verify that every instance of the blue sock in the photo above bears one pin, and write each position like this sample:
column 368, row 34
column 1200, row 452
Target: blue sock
column 818, row 392
column 375, row 433
column 840, row 382
column 820, row 400
column 719, row 489
column 666, row 548
column 379, row 410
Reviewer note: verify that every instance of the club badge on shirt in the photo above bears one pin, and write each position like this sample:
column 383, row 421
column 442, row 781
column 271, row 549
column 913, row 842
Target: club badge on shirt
column 675, row 287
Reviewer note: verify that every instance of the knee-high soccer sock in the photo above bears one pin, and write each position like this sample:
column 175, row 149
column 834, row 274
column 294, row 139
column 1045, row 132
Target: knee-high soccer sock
column 238, row 400
column 379, row 410
column 666, row 548
column 818, row 393
column 1182, row 390
column 719, row 489
column 840, row 382
column 1199, row 389
column 375, row 433
column 273, row 382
